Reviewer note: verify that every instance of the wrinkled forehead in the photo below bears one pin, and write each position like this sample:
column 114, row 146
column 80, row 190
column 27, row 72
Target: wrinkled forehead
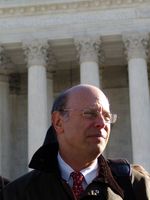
column 88, row 97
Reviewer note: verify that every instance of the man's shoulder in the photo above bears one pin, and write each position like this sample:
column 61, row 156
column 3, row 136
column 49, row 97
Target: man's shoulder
column 25, row 179
column 29, row 186
column 120, row 167
column 133, row 178
column 20, row 185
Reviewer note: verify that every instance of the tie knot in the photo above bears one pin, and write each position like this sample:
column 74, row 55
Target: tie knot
column 77, row 183
column 77, row 177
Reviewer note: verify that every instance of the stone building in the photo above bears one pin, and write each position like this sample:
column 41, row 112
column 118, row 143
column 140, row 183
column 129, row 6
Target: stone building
column 47, row 46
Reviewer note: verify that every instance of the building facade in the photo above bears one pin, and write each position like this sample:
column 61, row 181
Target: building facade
column 47, row 46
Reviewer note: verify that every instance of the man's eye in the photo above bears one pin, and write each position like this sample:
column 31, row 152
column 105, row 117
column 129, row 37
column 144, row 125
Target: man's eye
column 90, row 114
column 107, row 117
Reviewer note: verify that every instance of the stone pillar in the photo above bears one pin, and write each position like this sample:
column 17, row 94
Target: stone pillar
column 18, row 115
column 88, row 50
column 5, row 136
column 50, row 70
column 136, row 46
column 36, row 54
column 4, row 126
column 49, row 95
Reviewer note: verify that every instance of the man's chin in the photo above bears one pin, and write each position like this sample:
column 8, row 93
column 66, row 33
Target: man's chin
column 97, row 150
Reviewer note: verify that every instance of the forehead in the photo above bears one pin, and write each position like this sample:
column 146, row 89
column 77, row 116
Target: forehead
column 88, row 97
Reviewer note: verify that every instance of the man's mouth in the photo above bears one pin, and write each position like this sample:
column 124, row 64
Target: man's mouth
column 102, row 134
column 99, row 134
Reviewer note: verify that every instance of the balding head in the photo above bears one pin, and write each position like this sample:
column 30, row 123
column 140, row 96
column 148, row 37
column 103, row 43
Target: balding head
column 80, row 92
column 84, row 93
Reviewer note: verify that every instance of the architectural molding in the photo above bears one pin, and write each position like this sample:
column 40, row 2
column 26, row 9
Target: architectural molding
column 36, row 52
column 32, row 9
column 136, row 45
column 88, row 49
column 67, row 24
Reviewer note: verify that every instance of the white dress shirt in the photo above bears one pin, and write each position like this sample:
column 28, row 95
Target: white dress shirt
column 89, row 173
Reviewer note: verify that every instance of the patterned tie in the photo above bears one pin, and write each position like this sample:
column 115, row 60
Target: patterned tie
column 77, row 183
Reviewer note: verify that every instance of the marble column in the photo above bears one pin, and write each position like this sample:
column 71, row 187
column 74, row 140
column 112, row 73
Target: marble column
column 18, row 116
column 136, row 47
column 4, row 126
column 52, row 64
column 5, row 137
column 49, row 95
column 36, row 54
column 88, row 49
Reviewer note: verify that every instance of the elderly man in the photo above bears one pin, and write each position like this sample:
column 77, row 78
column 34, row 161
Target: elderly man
column 70, row 164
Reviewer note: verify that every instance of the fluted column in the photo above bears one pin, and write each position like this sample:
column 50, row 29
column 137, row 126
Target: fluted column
column 49, row 95
column 136, row 46
column 52, row 64
column 88, row 53
column 4, row 118
column 36, row 54
column 4, row 126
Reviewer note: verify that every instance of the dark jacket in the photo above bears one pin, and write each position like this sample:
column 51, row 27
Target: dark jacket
column 3, row 182
column 114, row 181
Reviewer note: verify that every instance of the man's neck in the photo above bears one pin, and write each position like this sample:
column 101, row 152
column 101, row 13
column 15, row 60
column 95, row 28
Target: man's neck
column 77, row 163
column 89, row 173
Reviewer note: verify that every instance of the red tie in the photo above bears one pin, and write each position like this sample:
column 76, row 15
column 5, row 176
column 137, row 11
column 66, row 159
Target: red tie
column 77, row 183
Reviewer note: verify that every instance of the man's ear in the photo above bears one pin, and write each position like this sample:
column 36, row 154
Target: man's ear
column 57, row 121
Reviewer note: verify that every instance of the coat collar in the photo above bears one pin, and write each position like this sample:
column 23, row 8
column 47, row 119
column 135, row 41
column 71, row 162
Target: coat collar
column 45, row 158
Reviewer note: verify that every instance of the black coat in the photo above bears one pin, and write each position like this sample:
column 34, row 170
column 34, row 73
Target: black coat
column 45, row 182
column 3, row 182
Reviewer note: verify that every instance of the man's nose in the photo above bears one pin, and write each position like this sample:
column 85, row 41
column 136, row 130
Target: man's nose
column 100, row 122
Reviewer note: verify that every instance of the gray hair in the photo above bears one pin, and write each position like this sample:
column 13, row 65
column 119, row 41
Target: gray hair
column 60, row 102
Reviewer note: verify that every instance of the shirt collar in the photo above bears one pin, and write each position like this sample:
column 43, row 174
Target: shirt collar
column 64, row 168
column 89, row 173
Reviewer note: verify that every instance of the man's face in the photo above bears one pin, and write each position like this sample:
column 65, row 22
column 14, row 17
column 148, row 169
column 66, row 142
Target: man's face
column 83, row 134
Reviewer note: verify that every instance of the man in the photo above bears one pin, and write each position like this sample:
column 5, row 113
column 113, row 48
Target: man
column 70, row 164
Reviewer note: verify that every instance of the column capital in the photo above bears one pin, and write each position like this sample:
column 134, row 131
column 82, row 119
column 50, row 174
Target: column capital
column 88, row 48
column 136, row 45
column 36, row 52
